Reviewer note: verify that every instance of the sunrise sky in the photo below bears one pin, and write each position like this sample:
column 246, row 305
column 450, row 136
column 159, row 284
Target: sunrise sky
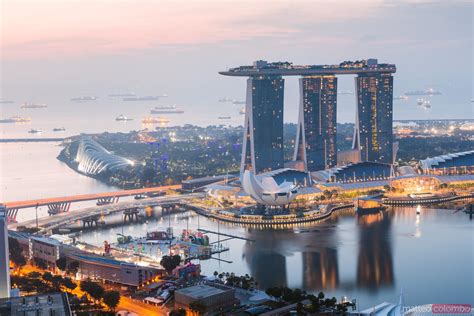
column 65, row 48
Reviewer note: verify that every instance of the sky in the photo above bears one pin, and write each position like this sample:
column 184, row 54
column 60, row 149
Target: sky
column 59, row 49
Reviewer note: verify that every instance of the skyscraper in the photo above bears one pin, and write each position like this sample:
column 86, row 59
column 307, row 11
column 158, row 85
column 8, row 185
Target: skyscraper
column 262, row 148
column 4, row 255
column 316, row 135
column 373, row 132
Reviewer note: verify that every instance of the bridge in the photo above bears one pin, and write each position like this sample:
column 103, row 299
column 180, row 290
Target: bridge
column 62, row 204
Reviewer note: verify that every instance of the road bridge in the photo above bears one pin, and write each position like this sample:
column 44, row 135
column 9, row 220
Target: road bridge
column 62, row 204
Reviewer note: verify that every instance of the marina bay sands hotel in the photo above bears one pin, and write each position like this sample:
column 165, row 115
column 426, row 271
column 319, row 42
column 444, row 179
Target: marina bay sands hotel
column 316, row 145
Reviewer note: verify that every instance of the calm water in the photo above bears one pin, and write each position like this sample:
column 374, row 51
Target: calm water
column 430, row 256
column 99, row 116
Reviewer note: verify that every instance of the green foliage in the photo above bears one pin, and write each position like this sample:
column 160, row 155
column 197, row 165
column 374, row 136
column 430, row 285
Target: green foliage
column 111, row 299
column 95, row 290
column 61, row 264
column 73, row 267
column 16, row 252
column 170, row 262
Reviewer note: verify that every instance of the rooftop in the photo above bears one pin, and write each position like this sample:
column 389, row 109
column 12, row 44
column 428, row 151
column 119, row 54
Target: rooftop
column 201, row 291
column 262, row 67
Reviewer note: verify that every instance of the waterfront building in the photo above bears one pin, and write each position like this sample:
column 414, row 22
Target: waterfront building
column 455, row 163
column 373, row 135
column 4, row 255
column 267, row 191
column 316, row 142
column 358, row 172
column 262, row 148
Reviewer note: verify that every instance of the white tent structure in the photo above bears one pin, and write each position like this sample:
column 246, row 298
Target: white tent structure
column 266, row 191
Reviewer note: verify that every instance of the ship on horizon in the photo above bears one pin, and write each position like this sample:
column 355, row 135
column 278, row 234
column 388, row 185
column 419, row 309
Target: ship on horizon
column 84, row 98
column 429, row 91
column 426, row 104
column 145, row 98
column 122, row 95
column 27, row 105
column 4, row 101
column 401, row 97
column 166, row 109
column 59, row 129
column 225, row 99
column 123, row 118
column 16, row 119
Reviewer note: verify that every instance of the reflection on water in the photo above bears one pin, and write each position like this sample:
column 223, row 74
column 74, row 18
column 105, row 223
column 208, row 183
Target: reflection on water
column 374, row 261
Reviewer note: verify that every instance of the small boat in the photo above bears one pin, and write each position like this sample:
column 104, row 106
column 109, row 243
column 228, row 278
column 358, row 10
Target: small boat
column 123, row 118
column 35, row 131
column 59, row 129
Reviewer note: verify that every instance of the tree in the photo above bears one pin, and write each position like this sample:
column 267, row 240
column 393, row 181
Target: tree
column 34, row 275
column 69, row 284
column 56, row 282
column 93, row 289
column 198, row 307
column 16, row 253
column 170, row 262
column 111, row 299
column 47, row 276
column 73, row 267
column 178, row 312
column 61, row 264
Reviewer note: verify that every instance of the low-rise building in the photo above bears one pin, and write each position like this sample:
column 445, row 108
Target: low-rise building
column 215, row 297
column 40, row 305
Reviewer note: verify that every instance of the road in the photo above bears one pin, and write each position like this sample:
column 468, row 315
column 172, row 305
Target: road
column 139, row 308
column 87, row 197
column 55, row 221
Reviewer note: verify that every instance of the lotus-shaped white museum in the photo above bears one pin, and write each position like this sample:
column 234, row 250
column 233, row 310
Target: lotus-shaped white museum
column 266, row 191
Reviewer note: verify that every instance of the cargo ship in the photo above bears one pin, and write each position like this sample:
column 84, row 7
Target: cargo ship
column 224, row 117
column 84, row 98
column 27, row 105
column 429, row 91
column 16, row 119
column 59, row 129
column 3, row 101
column 35, row 131
column 122, row 95
column 145, row 98
column 166, row 109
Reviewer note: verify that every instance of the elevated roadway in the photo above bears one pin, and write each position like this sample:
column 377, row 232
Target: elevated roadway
column 62, row 204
